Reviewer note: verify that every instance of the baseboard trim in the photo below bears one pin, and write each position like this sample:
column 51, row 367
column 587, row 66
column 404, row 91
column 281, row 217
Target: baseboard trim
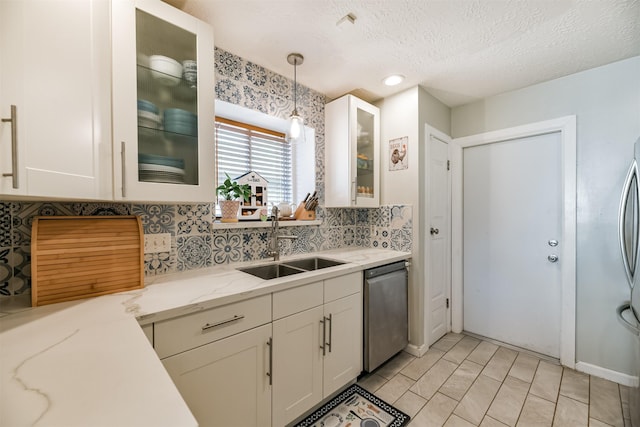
column 608, row 374
column 417, row 351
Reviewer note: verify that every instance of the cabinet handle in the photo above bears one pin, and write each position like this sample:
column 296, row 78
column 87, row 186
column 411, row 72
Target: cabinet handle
column 14, row 146
column 124, row 175
column 235, row 318
column 330, row 320
column 324, row 337
column 354, row 198
column 270, row 373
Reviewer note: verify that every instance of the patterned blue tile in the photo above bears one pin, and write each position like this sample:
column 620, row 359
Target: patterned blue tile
column 309, row 239
column 255, row 244
column 21, row 270
column 399, row 216
column 6, row 271
column 400, row 240
column 194, row 219
column 279, row 107
column 193, row 252
column 380, row 237
column 226, row 246
column 380, row 217
column 280, row 87
column 348, row 216
column 23, row 214
column 5, row 224
column 103, row 209
column 156, row 219
column 363, row 237
column 255, row 99
column 228, row 91
column 228, row 64
column 349, row 236
column 255, row 74
column 333, row 217
column 362, row 217
column 333, row 238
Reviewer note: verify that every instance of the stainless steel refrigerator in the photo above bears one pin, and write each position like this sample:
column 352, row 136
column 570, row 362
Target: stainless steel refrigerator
column 628, row 232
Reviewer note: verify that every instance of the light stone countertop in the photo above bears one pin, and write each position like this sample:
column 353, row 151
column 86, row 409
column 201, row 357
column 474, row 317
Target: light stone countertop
column 88, row 362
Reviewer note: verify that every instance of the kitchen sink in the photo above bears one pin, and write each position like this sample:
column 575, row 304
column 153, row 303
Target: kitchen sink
column 287, row 268
column 311, row 264
column 271, row 271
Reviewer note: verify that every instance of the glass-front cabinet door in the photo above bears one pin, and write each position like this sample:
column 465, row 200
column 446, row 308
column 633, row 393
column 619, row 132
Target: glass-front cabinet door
column 352, row 153
column 163, row 97
column 366, row 151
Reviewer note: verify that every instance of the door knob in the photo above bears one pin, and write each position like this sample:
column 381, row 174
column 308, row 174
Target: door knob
column 552, row 258
column 434, row 231
column 553, row 243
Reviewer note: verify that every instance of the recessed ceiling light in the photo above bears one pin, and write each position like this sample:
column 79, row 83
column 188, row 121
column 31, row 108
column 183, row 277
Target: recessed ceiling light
column 393, row 80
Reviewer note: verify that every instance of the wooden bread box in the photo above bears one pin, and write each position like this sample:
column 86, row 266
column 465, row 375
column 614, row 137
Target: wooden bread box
column 74, row 257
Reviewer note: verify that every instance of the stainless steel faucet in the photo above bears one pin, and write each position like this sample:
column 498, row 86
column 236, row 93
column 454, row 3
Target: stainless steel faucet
column 274, row 249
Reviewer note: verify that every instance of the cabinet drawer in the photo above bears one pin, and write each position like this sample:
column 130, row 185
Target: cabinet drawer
column 295, row 300
column 183, row 333
column 340, row 287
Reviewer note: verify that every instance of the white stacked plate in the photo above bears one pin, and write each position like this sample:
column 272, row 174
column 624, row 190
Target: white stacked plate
column 153, row 168
column 148, row 119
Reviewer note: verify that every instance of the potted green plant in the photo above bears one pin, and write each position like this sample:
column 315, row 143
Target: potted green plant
column 231, row 194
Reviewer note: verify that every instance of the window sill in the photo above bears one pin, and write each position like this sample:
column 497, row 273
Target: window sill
column 217, row 225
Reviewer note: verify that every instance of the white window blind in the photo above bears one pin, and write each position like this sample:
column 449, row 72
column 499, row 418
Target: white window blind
column 241, row 148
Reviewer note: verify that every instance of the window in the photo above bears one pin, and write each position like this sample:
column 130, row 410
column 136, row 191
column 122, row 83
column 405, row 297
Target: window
column 241, row 148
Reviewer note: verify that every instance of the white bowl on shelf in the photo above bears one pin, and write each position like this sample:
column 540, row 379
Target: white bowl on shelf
column 166, row 70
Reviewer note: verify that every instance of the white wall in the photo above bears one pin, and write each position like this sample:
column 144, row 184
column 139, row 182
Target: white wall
column 606, row 101
column 405, row 114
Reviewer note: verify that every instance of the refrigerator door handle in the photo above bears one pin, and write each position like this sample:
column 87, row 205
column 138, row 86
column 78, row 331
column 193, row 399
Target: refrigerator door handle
column 622, row 236
column 633, row 328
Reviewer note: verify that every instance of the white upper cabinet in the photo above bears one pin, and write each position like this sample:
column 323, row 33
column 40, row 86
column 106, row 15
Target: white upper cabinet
column 352, row 153
column 163, row 104
column 56, row 71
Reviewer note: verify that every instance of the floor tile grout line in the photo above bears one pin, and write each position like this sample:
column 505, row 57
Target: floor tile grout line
column 474, row 381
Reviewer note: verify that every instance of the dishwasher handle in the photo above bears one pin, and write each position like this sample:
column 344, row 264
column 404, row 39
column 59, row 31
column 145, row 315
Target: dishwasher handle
column 384, row 269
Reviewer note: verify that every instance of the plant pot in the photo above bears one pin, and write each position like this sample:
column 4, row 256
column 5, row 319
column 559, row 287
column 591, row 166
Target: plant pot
column 229, row 210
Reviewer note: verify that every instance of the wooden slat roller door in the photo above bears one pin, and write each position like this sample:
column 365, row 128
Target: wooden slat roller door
column 75, row 257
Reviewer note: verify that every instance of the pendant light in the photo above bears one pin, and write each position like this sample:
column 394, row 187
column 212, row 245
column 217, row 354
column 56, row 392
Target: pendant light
column 296, row 123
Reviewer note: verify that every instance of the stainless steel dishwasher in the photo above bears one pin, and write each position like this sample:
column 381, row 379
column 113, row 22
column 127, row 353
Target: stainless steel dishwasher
column 386, row 329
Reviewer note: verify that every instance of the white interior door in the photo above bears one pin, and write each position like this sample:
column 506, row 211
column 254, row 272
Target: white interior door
column 438, row 239
column 512, row 214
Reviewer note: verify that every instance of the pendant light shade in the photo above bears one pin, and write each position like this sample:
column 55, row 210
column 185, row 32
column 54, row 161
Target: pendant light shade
column 296, row 122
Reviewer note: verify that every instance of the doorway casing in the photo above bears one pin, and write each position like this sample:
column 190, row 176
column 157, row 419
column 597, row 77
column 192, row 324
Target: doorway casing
column 567, row 128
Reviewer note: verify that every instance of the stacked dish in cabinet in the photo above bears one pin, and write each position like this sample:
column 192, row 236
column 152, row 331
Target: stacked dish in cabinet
column 167, row 127
column 152, row 168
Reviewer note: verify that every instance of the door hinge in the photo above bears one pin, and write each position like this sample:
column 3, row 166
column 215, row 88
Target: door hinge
column 448, row 164
column 447, row 302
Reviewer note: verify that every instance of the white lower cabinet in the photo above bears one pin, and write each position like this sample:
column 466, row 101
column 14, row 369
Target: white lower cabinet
column 343, row 358
column 297, row 365
column 225, row 383
column 267, row 360
column 316, row 351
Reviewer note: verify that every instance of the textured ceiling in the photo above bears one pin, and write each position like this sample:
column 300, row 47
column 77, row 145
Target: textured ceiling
column 458, row 50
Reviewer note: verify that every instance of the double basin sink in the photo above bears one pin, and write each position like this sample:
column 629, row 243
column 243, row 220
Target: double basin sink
column 287, row 268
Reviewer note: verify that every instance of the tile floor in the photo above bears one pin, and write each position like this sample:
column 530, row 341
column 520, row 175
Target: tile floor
column 464, row 381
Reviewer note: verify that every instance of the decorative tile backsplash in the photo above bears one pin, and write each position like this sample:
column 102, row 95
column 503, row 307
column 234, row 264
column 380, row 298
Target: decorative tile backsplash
column 194, row 243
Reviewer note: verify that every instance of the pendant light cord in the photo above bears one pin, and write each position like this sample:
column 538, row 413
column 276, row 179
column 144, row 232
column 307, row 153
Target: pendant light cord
column 295, row 87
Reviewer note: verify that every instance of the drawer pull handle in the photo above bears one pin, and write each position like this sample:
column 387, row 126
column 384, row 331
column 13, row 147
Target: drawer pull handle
column 14, row 146
column 235, row 318
column 330, row 320
column 324, row 336
column 270, row 373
